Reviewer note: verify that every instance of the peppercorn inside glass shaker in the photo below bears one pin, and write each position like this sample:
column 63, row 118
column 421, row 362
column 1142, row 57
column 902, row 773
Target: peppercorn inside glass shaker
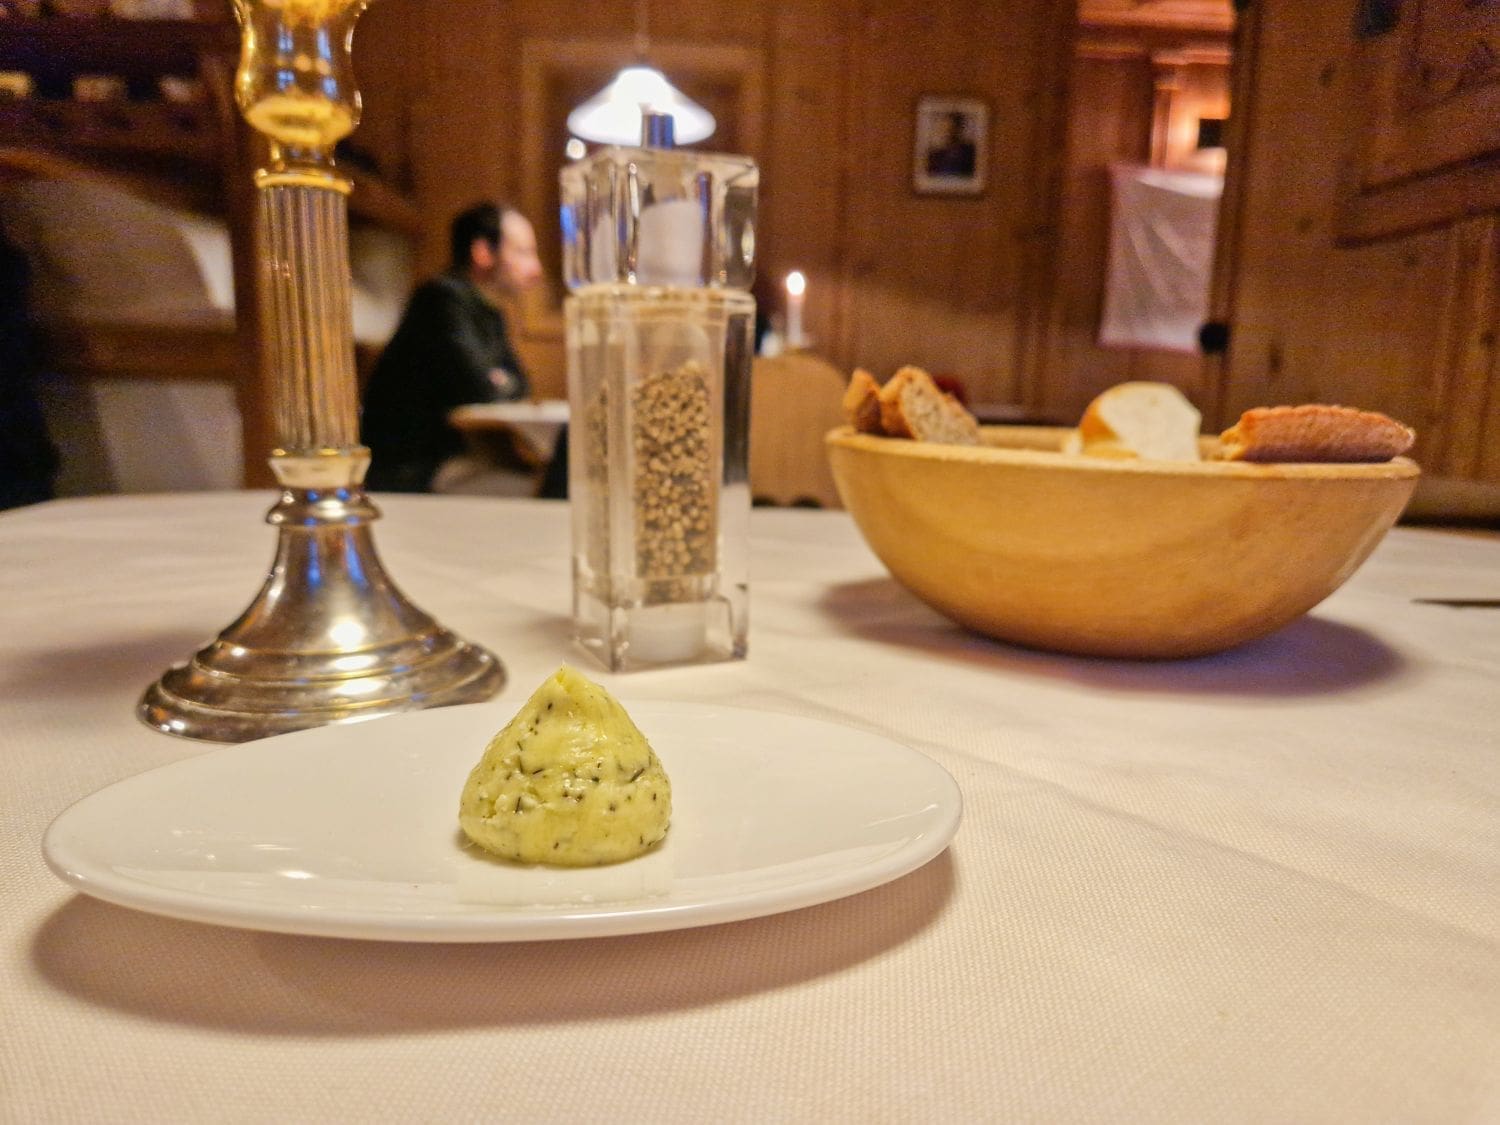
column 659, row 254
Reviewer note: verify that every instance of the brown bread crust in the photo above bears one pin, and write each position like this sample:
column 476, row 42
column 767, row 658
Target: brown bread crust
column 1314, row 433
column 912, row 406
column 862, row 402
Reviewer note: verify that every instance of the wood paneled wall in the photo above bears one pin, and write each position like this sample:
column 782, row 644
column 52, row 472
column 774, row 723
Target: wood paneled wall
column 1136, row 94
column 1405, row 325
column 893, row 277
column 942, row 282
column 1001, row 290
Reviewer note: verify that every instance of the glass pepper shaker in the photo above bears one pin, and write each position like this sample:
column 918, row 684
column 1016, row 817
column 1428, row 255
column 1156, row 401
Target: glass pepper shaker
column 659, row 254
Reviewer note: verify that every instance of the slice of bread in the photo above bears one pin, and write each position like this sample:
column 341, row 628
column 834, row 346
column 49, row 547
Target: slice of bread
column 912, row 406
column 862, row 402
column 1154, row 421
column 1314, row 433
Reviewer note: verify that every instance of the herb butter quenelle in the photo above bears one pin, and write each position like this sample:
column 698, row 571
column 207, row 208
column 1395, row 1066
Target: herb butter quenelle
column 570, row 781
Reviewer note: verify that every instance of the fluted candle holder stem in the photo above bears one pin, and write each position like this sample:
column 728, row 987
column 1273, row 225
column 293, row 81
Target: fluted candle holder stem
column 305, row 250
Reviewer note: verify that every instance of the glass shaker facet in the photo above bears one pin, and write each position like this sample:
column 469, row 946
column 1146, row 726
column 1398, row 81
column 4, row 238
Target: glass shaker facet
column 659, row 253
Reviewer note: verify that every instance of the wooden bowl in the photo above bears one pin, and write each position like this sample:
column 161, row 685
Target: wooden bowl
column 1138, row 559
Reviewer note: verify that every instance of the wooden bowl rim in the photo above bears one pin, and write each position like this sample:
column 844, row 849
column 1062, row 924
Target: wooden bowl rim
column 1397, row 469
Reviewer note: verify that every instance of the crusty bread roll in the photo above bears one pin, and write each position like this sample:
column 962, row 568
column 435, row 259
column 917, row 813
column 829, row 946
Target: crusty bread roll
column 912, row 406
column 862, row 402
column 1314, row 433
column 1147, row 420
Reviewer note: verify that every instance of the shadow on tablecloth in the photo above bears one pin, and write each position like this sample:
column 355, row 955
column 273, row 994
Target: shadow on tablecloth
column 276, row 984
column 1311, row 656
column 109, row 664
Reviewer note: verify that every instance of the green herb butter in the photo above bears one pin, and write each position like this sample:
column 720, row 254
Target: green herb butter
column 570, row 781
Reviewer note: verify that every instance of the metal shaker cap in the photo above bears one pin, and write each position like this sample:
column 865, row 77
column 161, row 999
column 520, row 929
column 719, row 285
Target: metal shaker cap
column 657, row 129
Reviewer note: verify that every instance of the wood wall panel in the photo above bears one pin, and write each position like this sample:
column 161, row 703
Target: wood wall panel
column 1001, row 290
column 1424, row 98
column 1136, row 93
column 1155, row 15
column 937, row 280
column 893, row 277
column 1111, row 122
column 1368, row 326
column 1199, row 88
column 807, row 163
column 1465, row 396
column 388, row 92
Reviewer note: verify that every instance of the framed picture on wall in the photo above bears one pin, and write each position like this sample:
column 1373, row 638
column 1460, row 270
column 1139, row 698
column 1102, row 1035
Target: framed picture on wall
column 951, row 149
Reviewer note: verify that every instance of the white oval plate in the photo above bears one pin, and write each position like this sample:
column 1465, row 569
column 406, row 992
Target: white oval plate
column 352, row 831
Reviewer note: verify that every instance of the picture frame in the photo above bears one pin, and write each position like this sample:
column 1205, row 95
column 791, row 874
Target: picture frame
column 950, row 146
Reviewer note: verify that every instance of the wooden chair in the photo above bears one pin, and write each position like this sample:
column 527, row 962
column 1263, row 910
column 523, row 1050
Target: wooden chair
column 795, row 399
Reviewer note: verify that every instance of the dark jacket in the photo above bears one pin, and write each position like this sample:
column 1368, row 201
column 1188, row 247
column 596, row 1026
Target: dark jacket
column 440, row 357
column 27, row 457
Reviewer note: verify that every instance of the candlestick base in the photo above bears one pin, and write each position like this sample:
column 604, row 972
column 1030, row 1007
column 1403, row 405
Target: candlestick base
column 328, row 639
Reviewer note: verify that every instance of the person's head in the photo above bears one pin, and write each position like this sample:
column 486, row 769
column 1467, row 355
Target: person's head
column 495, row 245
column 957, row 127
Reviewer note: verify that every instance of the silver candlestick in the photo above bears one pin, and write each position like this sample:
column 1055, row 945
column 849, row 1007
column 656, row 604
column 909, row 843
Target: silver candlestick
column 329, row 638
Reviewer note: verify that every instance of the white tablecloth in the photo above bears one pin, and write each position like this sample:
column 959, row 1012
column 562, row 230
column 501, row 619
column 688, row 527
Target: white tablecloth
column 1263, row 886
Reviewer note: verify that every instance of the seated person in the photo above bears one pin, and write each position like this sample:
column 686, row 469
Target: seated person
column 957, row 154
column 450, row 348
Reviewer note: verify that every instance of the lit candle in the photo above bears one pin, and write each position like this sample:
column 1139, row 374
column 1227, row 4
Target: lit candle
column 796, row 289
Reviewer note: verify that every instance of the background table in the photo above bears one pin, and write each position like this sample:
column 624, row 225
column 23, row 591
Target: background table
column 537, row 423
column 1262, row 886
column 507, row 448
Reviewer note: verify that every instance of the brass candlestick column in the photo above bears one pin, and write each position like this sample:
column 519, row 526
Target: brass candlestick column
column 329, row 638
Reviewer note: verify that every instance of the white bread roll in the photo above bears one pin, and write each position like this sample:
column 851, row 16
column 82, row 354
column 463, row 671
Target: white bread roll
column 1154, row 421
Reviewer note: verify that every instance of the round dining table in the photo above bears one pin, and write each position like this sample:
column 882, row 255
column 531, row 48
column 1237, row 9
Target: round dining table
column 1258, row 886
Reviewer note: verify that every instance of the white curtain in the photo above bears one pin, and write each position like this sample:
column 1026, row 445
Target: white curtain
column 1161, row 253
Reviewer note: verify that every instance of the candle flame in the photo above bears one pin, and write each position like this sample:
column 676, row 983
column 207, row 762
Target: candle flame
column 796, row 284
